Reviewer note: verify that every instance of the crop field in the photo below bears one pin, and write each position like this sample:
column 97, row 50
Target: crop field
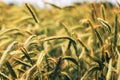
column 76, row 42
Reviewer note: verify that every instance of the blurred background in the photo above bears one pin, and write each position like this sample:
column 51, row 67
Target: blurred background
column 40, row 3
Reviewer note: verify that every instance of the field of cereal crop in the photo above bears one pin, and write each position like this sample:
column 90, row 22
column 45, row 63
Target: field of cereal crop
column 76, row 42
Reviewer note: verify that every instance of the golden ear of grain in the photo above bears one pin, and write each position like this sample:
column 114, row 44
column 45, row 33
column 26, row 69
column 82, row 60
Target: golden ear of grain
column 66, row 75
column 109, row 73
column 4, row 76
column 118, row 63
column 27, row 42
column 66, row 29
column 104, row 23
column 6, row 52
column 103, row 11
column 90, row 72
column 22, row 62
column 40, row 59
column 8, row 30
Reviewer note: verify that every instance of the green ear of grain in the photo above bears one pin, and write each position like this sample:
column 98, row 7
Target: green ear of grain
column 26, row 55
column 29, row 73
column 97, row 60
column 66, row 29
column 32, row 13
column 69, row 45
column 75, row 48
column 11, row 70
column 69, row 34
column 22, row 62
column 109, row 73
column 103, row 11
column 58, row 37
column 69, row 7
column 57, row 69
column 93, row 31
column 6, row 53
column 99, row 37
column 104, row 23
column 89, row 72
column 67, row 77
column 4, row 76
column 53, row 5
column 115, row 32
column 71, row 59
